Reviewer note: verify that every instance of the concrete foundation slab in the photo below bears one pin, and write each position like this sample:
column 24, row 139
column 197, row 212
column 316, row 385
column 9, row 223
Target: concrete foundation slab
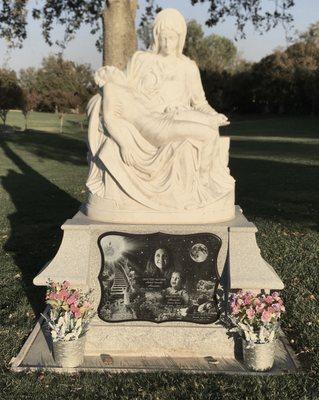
column 36, row 355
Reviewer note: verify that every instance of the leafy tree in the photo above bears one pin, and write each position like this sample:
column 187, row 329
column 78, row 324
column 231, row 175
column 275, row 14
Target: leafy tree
column 28, row 78
column 30, row 101
column 211, row 53
column 311, row 35
column 222, row 52
column 31, row 97
column 62, row 85
column 194, row 43
column 10, row 93
column 287, row 81
column 116, row 20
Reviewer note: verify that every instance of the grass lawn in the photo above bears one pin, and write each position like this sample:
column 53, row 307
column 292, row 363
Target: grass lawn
column 276, row 164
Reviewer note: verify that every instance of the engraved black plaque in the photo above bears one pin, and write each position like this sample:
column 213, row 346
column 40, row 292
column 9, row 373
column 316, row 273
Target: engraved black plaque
column 159, row 277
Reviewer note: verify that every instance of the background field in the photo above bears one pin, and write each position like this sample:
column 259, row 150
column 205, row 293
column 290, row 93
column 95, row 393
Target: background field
column 276, row 164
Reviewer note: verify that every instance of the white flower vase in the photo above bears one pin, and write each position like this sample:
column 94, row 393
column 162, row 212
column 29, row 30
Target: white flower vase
column 69, row 354
column 260, row 357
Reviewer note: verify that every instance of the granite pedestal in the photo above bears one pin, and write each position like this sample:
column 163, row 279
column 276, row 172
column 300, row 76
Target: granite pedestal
column 239, row 265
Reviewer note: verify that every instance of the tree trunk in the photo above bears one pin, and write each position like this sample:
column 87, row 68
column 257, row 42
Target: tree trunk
column 61, row 122
column 119, row 35
column 3, row 116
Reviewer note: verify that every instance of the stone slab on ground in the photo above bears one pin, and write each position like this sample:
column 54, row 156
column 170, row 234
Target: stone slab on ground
column 36, row 355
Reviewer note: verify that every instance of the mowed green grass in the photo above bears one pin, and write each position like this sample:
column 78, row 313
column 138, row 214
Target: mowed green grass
column 275, row 162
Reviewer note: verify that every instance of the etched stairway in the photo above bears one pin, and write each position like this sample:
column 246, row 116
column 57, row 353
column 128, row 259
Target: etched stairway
column 121, row 282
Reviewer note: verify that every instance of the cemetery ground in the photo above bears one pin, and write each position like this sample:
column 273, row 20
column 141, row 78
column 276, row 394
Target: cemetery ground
column 276, row 164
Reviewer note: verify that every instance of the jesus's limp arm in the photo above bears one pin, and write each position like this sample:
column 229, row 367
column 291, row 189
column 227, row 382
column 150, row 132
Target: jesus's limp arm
column 159, row 129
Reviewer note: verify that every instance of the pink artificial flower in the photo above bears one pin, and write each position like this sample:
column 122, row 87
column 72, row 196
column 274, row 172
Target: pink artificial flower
column 282, row 308
column 235, row 310
column 240, row 301
column 272, row 310
column 76, row 294
column 250, row 313
column 61, row 295
column 247, row 300
column 276, row 307
column 260, row 308
column 64, row 294
column 269, row 300
column 275, row 295
column 256, row 302
column 76, row 311
column 71, row 300
column 266, row 316
column 52, row 296
column 232, row 302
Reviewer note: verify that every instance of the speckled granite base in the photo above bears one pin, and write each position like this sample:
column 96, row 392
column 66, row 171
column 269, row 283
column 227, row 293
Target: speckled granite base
column 152, row 340
column 239, row 264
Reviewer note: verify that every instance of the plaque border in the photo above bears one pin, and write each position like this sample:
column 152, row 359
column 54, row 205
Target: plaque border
column 128, row 234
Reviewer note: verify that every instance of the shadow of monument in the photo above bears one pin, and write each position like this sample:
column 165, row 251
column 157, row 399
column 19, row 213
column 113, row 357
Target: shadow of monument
column 41, row 208
column 266, row 189
column 45, row 145
column 276, row 190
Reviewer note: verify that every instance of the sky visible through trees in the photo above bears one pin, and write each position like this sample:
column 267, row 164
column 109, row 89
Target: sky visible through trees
column 82, row 49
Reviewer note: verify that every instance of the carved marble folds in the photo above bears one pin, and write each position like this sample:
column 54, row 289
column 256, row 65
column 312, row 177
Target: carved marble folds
column 154, row 147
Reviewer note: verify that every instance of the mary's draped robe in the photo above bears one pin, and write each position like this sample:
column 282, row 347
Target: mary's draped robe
column 179, row 182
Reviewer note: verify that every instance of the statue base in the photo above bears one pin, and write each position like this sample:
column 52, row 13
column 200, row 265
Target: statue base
column 100, row 209
column 239, row 265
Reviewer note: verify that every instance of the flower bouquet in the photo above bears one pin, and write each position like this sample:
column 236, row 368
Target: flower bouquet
column 70, row 312
column 256, row 319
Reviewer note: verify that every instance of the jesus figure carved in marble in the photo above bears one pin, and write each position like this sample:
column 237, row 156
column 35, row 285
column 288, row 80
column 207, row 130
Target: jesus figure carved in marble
column 155, row 151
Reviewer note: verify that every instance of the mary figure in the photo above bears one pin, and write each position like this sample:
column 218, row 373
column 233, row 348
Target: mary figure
column 154, row 147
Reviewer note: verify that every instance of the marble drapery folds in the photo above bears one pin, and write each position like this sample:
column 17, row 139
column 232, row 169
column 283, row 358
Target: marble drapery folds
column 137, row 162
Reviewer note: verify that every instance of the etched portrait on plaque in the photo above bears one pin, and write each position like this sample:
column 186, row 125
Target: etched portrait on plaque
column 159, row 277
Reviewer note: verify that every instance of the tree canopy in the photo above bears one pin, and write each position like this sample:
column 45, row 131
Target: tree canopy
column 10, row 93
column 211, row 53
column 72, row 14
column 60, row 84
column 312, row 34
column 288, row 81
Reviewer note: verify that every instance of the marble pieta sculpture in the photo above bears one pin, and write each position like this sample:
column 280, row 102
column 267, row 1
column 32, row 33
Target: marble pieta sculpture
column 154, row 147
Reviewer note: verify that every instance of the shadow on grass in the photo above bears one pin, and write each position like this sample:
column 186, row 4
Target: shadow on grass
column 267, row 189
column 41, row 208
column 51, row 146
column 301, row 153
column 277, row 191
column 280, row 126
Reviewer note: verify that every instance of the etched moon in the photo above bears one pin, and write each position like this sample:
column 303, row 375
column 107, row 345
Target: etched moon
column 198, row 252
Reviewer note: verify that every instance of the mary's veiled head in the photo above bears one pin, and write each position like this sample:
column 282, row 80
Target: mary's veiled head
column 167, row 23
